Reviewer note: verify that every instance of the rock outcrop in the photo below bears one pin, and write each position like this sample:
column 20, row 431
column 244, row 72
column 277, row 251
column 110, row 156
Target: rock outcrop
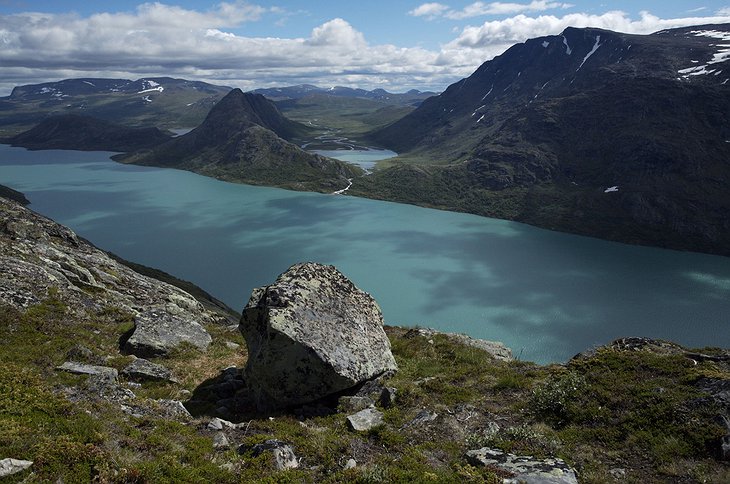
column 312, row 334
column 39, row 257
column 525, row 469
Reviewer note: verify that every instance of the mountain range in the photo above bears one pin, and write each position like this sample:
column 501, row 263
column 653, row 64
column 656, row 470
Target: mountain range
column 618, row 136
column 413, row 97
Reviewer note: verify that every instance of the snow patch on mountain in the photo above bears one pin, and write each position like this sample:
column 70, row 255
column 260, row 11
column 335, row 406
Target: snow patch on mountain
column 589, row 54
column 154, row 89
column 568, row 50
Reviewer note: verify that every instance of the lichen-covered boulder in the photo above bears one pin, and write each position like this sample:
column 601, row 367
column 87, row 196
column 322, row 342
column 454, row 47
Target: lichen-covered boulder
column 311, row 334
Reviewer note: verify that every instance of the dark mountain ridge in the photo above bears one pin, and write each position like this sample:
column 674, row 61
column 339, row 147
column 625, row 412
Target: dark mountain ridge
column 623, row 137
column 243, row 139
column 412, row 97
column 75, row 132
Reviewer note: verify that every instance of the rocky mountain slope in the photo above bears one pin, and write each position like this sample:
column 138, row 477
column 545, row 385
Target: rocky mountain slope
column 618, row 136
column 149, row 102
column 76, row 406
column 243, row 139
column 75, row 132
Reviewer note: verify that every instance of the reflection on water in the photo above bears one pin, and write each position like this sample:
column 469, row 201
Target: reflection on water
column 545, row 294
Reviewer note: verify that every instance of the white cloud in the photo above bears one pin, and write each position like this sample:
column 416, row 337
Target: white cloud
column 479, row 9
column 724, row 11
column 159, row 40
column 494, row 37
column 429, row 10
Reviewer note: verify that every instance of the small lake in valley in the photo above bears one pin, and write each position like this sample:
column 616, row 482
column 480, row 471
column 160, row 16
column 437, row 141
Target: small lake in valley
column 545, row 294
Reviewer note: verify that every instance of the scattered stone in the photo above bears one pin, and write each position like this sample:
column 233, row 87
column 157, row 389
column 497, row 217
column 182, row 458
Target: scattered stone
column 311, row 334
column 365, row 420
column 232, row 345
column 86, row 369
column 156, row 332
column 174, row 409
column 354, row 403
column 422, row 417
column 220, row 424
column 220, row 441
column 526, row 469
column 284, row 456
column 495, row 348
column 618, row 473
column 350, row 464
column 141, row 369
column 9, row 466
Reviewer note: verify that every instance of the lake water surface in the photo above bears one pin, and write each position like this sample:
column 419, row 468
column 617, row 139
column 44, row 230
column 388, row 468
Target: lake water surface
column 545, row 294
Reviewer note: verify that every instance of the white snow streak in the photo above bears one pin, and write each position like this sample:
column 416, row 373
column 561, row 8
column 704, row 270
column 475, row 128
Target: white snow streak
column 488, row 93
column 611, row 189
column 154, row 89
column 568, row 50
column 593, row 51
column 545, row 43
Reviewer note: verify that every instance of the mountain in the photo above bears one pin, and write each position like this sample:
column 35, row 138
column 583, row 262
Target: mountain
column 75, row 132
column 412, row 97
column 243, row 139
column 157, row 101
column 618, row 136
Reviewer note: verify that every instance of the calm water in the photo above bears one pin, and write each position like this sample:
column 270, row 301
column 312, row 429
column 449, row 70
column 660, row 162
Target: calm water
column 365, row 159
column 545, row 294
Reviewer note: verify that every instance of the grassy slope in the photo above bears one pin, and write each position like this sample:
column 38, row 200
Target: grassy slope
column 638, row 411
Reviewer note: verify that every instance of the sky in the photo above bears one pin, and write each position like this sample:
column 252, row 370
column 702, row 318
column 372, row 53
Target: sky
column 394, row 45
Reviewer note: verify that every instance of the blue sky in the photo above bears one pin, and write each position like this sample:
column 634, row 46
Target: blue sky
column 248, row 44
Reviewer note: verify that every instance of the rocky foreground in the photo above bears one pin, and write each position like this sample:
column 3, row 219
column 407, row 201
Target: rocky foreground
column 108, row 375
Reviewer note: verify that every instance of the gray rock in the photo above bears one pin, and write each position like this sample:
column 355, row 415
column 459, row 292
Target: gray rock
column 283, row 453
column 141, row 369
column 365, row 420
column 350, row 464
column 220, row 424
column 9, row 466
column 173, row 409
column 156, row 332
column 220, row 441
column 86, row 369
column 526, row 469
column 495, row 348
column 311, row 334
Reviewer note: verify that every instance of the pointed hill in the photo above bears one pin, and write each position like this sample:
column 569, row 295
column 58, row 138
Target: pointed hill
column 85, row 133
column 543, row 133
column 243, row 139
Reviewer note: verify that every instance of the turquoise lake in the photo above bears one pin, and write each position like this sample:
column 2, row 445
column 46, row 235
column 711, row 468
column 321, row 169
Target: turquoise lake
column 545, row 294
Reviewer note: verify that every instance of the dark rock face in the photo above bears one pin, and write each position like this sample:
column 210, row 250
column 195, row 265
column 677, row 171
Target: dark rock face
column 539, row 133
column 74, row 132
column 312, row 334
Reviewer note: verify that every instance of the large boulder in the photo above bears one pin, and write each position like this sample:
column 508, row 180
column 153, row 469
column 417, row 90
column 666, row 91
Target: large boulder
column 311, row 334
